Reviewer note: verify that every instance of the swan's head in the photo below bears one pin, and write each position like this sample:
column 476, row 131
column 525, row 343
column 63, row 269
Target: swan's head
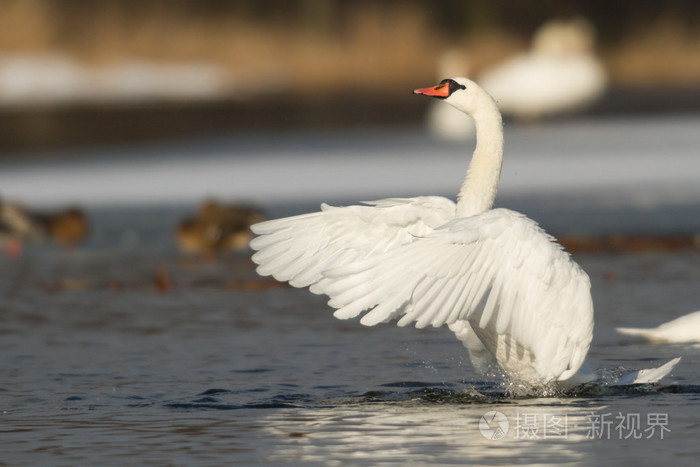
column 461, row 93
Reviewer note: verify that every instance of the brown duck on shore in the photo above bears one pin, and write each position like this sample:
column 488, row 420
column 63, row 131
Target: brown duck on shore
column 20, row 224
column 67, row 227
column 217, row 227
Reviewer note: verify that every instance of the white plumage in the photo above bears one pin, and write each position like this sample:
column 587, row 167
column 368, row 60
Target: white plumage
column 560, row 74
column 506, row 289
column 683, row 329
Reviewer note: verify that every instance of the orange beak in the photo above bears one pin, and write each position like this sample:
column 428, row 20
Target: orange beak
column 441, row 90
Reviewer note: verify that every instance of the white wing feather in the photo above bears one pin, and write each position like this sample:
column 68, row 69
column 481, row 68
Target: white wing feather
column 525, row 299
column 300, row 249
column 528, row 303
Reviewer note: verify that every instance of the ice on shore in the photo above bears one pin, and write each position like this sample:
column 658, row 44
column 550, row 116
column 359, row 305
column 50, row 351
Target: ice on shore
column 640, row 162
column 58, row 79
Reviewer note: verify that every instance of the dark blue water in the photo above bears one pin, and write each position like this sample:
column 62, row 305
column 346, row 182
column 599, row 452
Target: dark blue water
column 102, row 364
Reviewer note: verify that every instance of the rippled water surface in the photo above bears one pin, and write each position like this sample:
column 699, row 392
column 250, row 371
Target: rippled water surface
column 140, row 355
column 123, row 351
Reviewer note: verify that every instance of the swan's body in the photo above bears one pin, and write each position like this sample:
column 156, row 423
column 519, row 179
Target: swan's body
column 503, row 286
column 680, row 330
column 558, row 75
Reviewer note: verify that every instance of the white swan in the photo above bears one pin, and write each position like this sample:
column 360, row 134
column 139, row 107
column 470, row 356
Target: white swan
column 559, row 74
column 680, row 330
column 507, row 290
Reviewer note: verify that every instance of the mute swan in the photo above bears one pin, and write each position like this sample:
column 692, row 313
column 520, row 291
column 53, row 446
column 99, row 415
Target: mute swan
column 560, row 73
column 501, row 284
column 680, row 330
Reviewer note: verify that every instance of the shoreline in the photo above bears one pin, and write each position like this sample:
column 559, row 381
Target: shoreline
column 38, row 128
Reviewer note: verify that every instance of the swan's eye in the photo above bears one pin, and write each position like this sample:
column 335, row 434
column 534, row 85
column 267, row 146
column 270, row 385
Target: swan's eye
column 454, row 85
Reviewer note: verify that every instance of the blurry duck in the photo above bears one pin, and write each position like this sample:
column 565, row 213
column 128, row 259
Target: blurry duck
column 444, row 121
column 67, row 228
column 16, row 226
column 19, row 224
column 217, row 227
column 680, row 330
column 560, row 73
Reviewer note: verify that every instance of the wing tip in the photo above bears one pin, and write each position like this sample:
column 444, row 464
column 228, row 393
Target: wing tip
column 634, row 331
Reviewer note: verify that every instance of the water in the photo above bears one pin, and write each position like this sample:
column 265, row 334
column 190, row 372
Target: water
column 102, row 363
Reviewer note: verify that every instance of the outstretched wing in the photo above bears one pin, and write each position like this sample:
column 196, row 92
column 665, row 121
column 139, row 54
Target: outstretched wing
column 522, row 295
column 300, row 249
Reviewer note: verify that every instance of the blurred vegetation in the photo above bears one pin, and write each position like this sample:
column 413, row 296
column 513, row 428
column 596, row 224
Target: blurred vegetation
column 326, row 46
column 322, row 62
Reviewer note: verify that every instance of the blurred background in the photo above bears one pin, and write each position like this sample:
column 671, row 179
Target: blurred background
column 73, row 74
column 118, row 103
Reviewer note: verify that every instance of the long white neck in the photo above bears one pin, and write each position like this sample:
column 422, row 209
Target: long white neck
column 481, row 183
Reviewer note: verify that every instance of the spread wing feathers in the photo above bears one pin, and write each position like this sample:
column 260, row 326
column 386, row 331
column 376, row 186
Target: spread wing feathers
column 498, row 270
column 300, row 249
